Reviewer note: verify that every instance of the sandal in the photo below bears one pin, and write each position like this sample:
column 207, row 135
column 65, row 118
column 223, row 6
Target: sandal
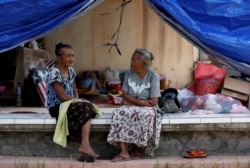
column 86, row 158
column 120, row 158
column 137, row 156
column 137, row 153
column 195, row 154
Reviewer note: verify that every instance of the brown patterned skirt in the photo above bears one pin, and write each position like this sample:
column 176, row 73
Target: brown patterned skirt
column 78, row 114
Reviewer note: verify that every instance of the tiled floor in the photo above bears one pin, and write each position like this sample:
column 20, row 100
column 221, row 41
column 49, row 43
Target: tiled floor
column 28, row 115
column 6, row 110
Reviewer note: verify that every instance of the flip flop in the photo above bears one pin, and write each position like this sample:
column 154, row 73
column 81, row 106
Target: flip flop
column 120, row 158
column 137, row 156
column 198, row 156
column 195, row 154
column 86, row 158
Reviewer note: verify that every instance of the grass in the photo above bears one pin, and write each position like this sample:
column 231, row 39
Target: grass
column 25, row 164
column 21, row 164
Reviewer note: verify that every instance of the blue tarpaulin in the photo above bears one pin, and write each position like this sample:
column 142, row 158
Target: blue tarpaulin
column 220, row 28
column 26, row 20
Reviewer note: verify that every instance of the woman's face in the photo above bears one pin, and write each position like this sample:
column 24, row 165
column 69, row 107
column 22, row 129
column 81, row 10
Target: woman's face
column 136, row 63
column 67, row 58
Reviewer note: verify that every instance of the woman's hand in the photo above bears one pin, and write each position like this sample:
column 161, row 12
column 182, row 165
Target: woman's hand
column 146, row 103
column 124, row 102
column 130, row 100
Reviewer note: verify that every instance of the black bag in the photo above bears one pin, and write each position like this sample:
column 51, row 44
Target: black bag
column 169, row 102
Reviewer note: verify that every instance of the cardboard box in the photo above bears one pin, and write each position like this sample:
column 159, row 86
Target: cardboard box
column 236, row 85
column 235, row 95
column 236, row 88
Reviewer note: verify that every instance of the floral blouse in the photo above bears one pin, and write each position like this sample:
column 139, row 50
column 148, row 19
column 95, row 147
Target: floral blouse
column 56, row 75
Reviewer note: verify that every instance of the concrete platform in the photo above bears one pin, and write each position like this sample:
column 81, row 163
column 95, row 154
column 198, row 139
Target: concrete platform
column 160, row 162
column 22, row 129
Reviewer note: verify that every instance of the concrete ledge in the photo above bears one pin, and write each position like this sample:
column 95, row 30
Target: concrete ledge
column 38, row 119
column 218, row 134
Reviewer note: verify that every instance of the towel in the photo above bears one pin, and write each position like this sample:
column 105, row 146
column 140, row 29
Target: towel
column 61, row 131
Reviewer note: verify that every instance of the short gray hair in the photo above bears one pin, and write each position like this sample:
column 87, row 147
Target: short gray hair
column 146, row 56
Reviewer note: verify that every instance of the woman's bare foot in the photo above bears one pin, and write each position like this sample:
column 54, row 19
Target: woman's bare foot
column 88, row 150
column 121, row 157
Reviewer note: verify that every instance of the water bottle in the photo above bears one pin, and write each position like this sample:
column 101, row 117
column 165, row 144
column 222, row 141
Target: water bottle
column 19, row 95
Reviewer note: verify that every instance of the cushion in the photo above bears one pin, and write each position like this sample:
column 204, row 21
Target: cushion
column 39, row 76
column 49, row 62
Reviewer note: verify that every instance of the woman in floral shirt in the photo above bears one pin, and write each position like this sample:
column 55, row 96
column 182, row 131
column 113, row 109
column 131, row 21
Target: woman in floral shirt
column 60, row 88
column 136, row 122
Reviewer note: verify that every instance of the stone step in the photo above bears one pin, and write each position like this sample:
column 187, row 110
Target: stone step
column 159, row 162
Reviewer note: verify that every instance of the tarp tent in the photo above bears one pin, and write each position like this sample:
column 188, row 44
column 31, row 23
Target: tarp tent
column 26, row 20
column 219, row 28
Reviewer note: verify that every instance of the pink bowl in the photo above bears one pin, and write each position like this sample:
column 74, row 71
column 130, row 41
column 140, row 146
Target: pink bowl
column 2, row 88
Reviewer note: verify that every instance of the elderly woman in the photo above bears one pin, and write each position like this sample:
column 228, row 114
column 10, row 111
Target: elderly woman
column 61, row 90
column 136, row 121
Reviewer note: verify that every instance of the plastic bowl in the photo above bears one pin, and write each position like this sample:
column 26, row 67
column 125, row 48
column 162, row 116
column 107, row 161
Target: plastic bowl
column 2, row 88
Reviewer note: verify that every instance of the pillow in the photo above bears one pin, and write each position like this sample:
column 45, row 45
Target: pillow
column 39, row 76
column 49, row 62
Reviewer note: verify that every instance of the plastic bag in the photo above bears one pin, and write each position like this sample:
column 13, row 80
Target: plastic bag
column 208, row 79
column 111, row 74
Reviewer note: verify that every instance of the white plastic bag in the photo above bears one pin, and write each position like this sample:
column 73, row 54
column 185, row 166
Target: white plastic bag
column 111, row 74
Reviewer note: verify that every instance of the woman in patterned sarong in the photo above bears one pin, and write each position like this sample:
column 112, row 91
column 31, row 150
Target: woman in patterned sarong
column 136, row 123
column 61, row 88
